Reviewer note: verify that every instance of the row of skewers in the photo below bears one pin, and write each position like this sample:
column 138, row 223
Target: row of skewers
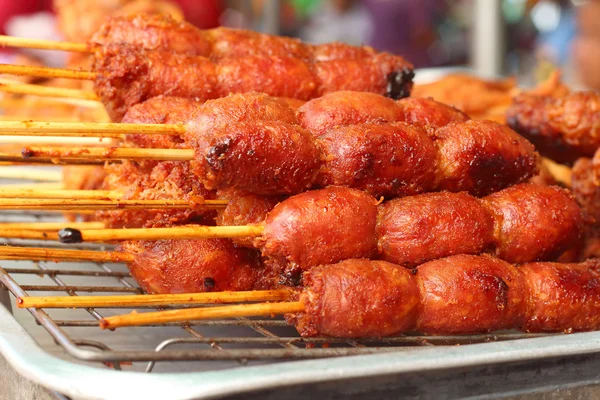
column 332, row 246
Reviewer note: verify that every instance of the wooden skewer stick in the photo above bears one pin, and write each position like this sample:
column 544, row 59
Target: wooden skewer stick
column 42, row 254
column 56, row 155
column 50, row 226
column 82, row 212
column 99, row 128
column 561, row 173
column 19, row 106
column 30, row 174
column 36, row 186
column 45, row 137
column 28, row 43
column 195, row 314
column 29, row 234
column 153, row 299
column 49, row 193
column 181, row 232
column 17, row 143
column 76, row 204
column 46, row 72
column 46, row 161
column 48, row 91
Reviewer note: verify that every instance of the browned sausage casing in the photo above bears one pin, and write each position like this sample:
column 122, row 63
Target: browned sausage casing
column 383, row 160
column 242, row 107
column 482, row 157
column 534, row 222
column 358, row 298
column 525, row 222
column 320, row 227
column 128, row 76
column 563, row 297
column 191, row 266
column 153, row 32
column 261, row 157
column 429, row 112
column 468, row 294
column 562, row 128
column 346, row 108
column 420, row 228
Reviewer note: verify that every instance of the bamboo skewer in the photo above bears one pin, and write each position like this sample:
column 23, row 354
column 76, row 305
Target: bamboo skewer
column 195, row 314
column 46, row 72
column 15, row 160
column 34, row 186
column 76, row 204
column 29, row 43
column 181, row 232
column 42, row 254
column 24, row 103
column 72, row 235
column 58, row 135
column 49, row 193
column 156, row 300
column 48, row 91
column 57, row 155
column 99, row 128
column 50, row 226
column 30, row 174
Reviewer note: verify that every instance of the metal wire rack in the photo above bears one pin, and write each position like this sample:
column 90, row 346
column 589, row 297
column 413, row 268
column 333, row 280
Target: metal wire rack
column 217, row 344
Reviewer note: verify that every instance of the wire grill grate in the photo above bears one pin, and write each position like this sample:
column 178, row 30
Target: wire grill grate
column 235, row 341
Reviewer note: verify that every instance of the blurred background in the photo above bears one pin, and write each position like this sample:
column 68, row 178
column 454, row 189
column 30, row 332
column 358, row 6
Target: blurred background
column 523, row 38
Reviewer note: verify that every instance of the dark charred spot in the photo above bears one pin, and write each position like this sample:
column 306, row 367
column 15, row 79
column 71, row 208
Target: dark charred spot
column 414, row 271
column 400, row 83
column 495, row 285
column 492, row 172
column 291, row 277
column 367, row 165
column 502, row 293
column 216, row 154
column 70, row 235
column 209, row 283
column 397, row 184
column 27, row 153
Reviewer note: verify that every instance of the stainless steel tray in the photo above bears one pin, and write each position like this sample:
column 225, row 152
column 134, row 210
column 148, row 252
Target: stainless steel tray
column 73, row 379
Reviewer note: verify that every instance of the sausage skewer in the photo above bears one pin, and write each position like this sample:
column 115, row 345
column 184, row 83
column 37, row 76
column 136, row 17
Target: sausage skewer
column 563, row 128
column 124, row 75
column 243, row 155
column 171, row 266
column 522, row 223
column 461, row 294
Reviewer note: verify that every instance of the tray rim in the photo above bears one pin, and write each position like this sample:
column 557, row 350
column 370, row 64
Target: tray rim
column 30, row 360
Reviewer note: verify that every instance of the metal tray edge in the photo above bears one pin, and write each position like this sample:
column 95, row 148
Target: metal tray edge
column 72, row 379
